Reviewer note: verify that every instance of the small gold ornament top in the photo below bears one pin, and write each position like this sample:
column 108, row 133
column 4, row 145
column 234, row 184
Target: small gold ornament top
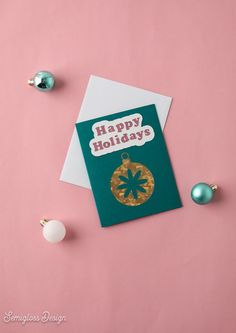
column 43, row 222
column 31, row 82
column 214, row 187
column 125, row 159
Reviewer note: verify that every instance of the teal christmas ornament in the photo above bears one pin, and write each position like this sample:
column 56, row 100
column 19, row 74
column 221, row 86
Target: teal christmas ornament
column 203, row 193
column 43, row 81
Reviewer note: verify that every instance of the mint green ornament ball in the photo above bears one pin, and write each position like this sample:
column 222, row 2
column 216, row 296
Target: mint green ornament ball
column 43, row 81
column 202, row 193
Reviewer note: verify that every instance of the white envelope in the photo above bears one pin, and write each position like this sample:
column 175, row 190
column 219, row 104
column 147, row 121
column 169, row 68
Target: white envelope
column 103, row 97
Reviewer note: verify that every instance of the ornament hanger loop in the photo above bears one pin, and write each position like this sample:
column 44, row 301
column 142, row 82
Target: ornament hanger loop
column 125, row 156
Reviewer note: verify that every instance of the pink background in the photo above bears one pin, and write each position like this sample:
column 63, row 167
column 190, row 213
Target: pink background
column 172, row 272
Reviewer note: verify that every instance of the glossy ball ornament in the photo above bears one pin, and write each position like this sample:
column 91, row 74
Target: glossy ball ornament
column 42, row 81
column 203, row 193
column 53, row 231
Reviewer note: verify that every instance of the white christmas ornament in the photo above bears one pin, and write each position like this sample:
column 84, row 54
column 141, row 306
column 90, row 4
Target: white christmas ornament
column 53, row 230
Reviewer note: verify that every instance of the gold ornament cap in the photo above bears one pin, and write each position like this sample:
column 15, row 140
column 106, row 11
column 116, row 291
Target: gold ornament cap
column 214, row 187
column 43, row 222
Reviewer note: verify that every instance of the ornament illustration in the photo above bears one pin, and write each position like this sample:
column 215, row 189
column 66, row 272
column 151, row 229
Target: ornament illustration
column 132, row 183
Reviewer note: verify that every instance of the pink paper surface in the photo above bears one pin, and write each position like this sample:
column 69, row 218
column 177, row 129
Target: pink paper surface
column 172, row 272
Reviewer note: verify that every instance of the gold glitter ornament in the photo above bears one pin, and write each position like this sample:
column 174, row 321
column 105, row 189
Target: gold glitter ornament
column 132, row 183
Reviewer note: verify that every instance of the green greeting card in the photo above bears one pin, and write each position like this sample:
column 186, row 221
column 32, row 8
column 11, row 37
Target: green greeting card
column 128, row 165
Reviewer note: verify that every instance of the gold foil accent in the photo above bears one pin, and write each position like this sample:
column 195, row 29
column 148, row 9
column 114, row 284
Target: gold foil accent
column 134, row 167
